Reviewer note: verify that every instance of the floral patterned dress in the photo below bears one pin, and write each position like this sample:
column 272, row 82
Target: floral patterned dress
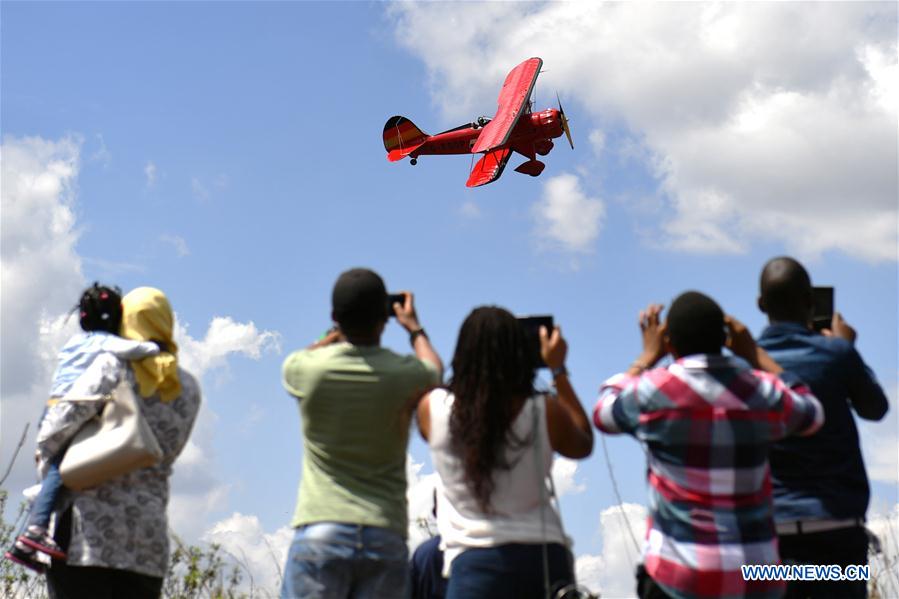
column 122, row 523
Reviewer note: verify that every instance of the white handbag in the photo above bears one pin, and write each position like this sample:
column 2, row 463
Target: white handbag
column 119, row 440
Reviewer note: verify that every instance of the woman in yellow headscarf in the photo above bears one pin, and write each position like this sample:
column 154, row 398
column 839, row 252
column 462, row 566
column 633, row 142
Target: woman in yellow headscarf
column 118, row 531
column 147, row 316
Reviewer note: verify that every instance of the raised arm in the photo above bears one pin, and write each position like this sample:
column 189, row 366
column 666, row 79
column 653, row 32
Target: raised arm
column 408, row 319
column 569, row 427
column 618, row 408
column 865, row 394
column 740, row 341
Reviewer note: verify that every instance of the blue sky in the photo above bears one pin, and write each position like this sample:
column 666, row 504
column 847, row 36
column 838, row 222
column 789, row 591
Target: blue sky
column 230, row 154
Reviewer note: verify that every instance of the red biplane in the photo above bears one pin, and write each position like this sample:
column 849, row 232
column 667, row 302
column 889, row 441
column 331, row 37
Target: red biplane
column 514, row 128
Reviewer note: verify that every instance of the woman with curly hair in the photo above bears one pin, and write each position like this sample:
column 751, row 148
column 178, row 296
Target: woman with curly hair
column 492, row 438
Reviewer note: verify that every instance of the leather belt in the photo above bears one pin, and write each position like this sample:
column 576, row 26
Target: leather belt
column 810, row 526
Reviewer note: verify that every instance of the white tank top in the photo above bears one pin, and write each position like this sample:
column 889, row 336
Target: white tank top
column 516, row 500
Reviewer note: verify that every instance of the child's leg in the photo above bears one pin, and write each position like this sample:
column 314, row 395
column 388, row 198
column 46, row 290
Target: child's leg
column 46, row 499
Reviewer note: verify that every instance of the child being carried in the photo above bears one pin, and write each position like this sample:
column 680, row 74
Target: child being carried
column 100, row 311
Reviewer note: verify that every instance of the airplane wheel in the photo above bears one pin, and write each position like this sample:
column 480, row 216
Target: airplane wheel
column 414, row 161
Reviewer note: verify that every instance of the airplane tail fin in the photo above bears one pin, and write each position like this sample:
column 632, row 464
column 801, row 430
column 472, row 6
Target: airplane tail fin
column 402, row 137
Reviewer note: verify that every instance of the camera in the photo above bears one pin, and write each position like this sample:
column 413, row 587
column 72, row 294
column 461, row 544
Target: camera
column 531, row 325
column 394, row 298
column 823, row 313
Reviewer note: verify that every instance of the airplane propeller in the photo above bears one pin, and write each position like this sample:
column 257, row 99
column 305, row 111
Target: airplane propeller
column 564, row 122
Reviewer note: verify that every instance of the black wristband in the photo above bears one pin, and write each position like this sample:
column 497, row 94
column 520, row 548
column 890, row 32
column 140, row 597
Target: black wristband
column 560, row 371
column 414, row 334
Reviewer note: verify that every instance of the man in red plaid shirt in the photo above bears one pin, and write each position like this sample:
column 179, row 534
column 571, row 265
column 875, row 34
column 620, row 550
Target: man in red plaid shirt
column 706, row 421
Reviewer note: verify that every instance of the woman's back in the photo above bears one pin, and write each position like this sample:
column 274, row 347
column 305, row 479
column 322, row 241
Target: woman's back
column 519, row 493
column 122, row 524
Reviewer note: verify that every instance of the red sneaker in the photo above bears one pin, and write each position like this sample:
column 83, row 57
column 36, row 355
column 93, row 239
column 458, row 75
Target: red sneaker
column 37, row 538
column 25, row 556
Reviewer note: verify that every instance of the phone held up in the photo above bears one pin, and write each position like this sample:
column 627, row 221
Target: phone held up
column 823, row 313
column 394, row 298
column 531, row 325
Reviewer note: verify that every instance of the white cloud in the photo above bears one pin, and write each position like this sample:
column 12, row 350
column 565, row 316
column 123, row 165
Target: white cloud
column 224, row 337
column 470, row 210
column 150, row 173
column 41, row 271
column 101, row 154
column 177, row 242
column 41, row 277
column 588, row 570
column 202, row 189
column 598, row 141
column 260, row 554
column 199, row 189
column 885, row 565
column 196, row 487
column 566, row 217
column 420, row 496
column 563, row 472
column 612, row 571
column 759, row 121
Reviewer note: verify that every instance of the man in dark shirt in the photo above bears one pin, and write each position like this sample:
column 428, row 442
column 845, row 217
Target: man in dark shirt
column 820, row 486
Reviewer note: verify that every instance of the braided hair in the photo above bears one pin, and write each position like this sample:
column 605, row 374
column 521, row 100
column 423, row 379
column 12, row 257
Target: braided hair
column 493, row 372
column 100, row 309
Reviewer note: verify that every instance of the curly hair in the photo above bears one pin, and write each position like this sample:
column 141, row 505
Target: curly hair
column 100, row 309
column 493, row 372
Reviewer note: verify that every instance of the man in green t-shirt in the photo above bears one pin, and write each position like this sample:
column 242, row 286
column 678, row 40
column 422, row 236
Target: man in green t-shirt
column 356, row 399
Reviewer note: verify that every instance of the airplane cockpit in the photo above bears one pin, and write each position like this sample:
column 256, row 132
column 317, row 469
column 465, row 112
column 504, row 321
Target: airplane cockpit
column 479, row 122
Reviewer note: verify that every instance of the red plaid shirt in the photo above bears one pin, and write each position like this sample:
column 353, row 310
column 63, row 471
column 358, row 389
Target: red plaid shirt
column 706, row 422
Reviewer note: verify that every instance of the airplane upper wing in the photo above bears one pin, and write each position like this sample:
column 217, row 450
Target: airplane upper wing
column 488, row 168
column 512, row 99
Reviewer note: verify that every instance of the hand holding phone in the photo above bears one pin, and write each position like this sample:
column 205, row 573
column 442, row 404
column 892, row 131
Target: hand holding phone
column 394, row 298
column 822, row 316
column 840, row 328
column 553, row 347
column 531, row 325
column 405, row 314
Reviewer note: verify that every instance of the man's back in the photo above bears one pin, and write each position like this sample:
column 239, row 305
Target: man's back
column 354, row 403
column 707, row 422
column 823, row 476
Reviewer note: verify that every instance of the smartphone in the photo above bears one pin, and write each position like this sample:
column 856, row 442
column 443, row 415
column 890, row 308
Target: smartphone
column 394, row 298
column 532, row 326
column 823, row 313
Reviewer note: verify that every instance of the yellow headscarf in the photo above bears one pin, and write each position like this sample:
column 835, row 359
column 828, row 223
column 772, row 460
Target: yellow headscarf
column 147, row 316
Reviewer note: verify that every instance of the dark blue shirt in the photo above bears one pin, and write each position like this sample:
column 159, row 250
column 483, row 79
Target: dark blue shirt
column 427, row 571
column 822, row 476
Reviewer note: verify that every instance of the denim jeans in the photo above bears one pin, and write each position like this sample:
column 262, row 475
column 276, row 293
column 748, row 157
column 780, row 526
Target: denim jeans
column 513, row 571
column 46, row 499
column 331, row 560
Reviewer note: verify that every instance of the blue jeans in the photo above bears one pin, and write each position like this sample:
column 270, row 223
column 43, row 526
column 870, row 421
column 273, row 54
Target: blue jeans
column 46, row 499
column 331, row 560
column 513, row 571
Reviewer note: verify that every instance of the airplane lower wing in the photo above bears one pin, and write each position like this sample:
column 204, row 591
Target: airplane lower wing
column 489, row 168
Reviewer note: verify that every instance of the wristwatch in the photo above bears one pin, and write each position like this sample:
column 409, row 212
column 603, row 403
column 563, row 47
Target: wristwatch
column 413, row 335
column 560, row 371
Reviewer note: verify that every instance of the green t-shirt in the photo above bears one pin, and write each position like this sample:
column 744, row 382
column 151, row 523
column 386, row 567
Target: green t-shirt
column 353, row 402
